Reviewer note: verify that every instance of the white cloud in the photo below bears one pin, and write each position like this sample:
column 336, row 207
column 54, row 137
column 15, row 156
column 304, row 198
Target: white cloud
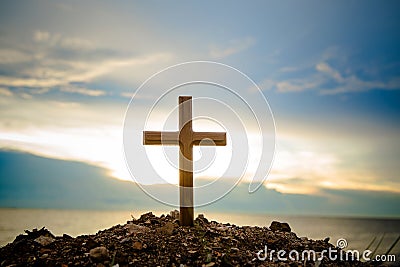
column 232, row 48
column 329, row 81
column 41, row 36
column 59, row 40
column 301, row 167
column 90, row 132
column 27, row 82
column 296, row 86
column 352, row 83
column 48, row 66
column 83, row 91
column 288, row 69
column 5, row 92
column 267, row 84
column 9, row 56
column 324, row 67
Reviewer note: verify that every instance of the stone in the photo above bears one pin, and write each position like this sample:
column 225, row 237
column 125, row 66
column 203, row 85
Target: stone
column 98, row 254
column 125, row 240
column 137, row 229
column 66, row 236
column 201, row 218
column 138, row 245
column 90, row 243
column 167, row 229
column 44, row 240
column 174, row 214
column 235, row 250
column 146, row 216
column 278, row 226
column 209, row 258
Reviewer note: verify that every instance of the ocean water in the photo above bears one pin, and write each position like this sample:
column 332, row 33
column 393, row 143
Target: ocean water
column 358, row 232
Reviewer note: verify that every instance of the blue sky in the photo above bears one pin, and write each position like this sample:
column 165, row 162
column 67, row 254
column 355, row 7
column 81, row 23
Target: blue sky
column 329, row 69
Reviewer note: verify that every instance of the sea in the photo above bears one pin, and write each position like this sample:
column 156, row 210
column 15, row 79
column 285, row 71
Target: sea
column 376, row 234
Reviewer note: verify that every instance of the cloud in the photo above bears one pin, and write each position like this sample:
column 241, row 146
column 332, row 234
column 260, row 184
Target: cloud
column 234, row 47
column 59, row 40
column 41, row 36
column 89, row 132
column 324, row 67
column 58, row 61
column 309, row 172
column 352, row 83
column 12, row 56
column 267, row 84
column 329, row 81
column 83, row 91
column 296, row 86
column 5, row 92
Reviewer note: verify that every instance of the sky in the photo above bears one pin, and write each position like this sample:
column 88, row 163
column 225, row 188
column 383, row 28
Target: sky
column 330, row 71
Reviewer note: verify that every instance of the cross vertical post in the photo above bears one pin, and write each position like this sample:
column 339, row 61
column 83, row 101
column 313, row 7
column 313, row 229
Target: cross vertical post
column 186, row 161
column 186, row 138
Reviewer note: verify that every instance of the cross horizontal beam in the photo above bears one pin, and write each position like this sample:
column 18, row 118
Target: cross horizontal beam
column 160, row 138
column 172, row 138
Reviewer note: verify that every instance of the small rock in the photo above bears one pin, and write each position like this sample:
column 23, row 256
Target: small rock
column 44, row 256
column 125, row 240
column 208, row 258
column 193, row 253
column 222, row 228
column 167, row 229
column 98, row 254
column 91, row 244
column 234, row 250
column 136, row 229
column 146, row 216
column 174, row 214
column 226, row 261
column 326, row 240
column 44, row 240
column 67, row 236
column 272, row 240
column 304, row 239
column 44, row 251
column 137, row 245
column 277, row 226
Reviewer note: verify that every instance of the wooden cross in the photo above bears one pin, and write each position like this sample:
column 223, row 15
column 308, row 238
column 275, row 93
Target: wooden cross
column 186, row 138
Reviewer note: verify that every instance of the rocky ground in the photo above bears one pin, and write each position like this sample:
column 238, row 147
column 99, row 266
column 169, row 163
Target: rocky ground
column 160, row 241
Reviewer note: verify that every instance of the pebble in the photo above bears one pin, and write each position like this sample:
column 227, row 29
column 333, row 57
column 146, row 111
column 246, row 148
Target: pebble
column 137, row 245
column 44, row 240
column 137, row 229
column 98, row 254
column 167, row 229
column 278, row 226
